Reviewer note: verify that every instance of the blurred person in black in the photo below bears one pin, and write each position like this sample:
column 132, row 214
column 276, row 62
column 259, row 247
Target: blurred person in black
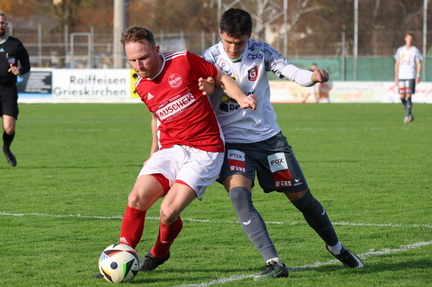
column 12, row 52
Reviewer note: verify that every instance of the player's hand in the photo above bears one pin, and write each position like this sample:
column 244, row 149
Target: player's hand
column 206, row 86
column 14, row 70
column 249, row 102
column 319, row 76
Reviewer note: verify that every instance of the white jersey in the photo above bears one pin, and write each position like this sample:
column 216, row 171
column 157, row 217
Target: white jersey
column 407, row 61
column 250, row 72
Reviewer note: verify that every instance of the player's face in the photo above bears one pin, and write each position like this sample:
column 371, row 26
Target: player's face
column 144, row 58
column 234, row 47
column 409, row 40
column 3, row 26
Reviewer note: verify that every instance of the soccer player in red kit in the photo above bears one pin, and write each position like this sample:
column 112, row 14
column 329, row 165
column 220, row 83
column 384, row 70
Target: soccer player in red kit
column 188, row 147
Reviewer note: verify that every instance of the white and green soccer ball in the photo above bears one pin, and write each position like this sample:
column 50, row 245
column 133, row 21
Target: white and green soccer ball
column 118, row 263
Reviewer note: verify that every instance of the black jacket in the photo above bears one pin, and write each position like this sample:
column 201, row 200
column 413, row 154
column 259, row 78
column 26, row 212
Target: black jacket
column 11, row 49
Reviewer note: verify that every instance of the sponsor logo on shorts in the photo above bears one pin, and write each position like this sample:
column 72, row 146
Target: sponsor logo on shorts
column 236, row 160
column 277, row 162
column 282, row 179
column 279, row 168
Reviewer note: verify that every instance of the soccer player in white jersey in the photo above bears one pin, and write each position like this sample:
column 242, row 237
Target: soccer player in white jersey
column 407, row 73
column 255, row 144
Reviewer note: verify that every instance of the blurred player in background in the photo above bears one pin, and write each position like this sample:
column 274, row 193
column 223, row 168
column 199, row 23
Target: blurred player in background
column 320, row 91
column 255, row 144
column 407, row 73
column 14, row 62
column 323, row 92
column 188, row 147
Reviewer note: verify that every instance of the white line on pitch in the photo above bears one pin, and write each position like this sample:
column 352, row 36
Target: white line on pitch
column 311, row 266
column 216, row 221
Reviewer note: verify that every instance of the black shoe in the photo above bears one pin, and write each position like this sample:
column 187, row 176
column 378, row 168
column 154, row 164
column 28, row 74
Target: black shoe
column 98, row 276
column 272, row 270
column 9, row 156
column 348, row 258
column 150, row 263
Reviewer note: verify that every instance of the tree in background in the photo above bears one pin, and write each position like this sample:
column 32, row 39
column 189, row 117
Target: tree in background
column 314, row 27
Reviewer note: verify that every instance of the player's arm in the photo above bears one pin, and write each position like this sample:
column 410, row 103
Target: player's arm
column 419, row 67
column 303, row 77
column 230, row 87
column 155, row 142
column 396, row 71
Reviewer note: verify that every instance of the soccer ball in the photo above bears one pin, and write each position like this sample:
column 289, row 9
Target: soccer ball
column 118, row 263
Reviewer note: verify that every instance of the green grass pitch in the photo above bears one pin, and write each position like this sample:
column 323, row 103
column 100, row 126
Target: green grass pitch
column 62, row 204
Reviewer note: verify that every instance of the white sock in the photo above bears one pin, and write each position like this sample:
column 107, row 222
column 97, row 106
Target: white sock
column 277, row 260
column 335, row 250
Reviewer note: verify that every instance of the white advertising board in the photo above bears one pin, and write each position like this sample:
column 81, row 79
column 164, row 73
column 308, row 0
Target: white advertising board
column 117, row 86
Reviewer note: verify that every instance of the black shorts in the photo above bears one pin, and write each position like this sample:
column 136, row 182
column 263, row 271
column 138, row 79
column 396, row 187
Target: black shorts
column 9, row 101
column 272, row 160
column 407, row 86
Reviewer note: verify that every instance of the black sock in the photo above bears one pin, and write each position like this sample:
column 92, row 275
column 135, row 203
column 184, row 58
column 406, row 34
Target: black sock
column 7, row 139
column 408, row 106
column 317, row 218
column 404, row 103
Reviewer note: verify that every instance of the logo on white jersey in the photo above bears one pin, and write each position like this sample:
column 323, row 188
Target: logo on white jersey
column 223, row 66
column 253, row 74
column 175, row 80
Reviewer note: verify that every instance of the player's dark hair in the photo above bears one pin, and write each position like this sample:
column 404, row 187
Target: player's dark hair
column 137, row 34
column 236, row 23
column 410, row 34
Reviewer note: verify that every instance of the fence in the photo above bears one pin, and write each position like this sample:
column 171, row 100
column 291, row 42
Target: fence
column 95, row 51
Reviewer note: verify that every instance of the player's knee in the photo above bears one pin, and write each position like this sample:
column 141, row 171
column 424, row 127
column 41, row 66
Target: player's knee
column 168, row 215
column 306, row 203
column 134, row 200
column 241, row 197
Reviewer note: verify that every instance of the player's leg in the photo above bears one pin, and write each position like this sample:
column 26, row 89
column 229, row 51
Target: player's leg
column 196, row 170
column 10, row 114
column 8, row 137
column 254, row 226
column 409, row 117
column 404, row 86
column 146, row 191
column 176, row 200
column 411, row 90
column 316, row 216
column 238, row 173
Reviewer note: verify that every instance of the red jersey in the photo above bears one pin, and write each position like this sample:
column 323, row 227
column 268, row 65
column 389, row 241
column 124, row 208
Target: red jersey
column 185, row 116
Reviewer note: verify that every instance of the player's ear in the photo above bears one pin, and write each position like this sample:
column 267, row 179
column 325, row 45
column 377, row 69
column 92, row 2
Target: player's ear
column 157, row 49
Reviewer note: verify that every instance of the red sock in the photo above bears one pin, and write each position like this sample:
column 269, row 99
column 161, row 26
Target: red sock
column 167, row 234
column 132, row 226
